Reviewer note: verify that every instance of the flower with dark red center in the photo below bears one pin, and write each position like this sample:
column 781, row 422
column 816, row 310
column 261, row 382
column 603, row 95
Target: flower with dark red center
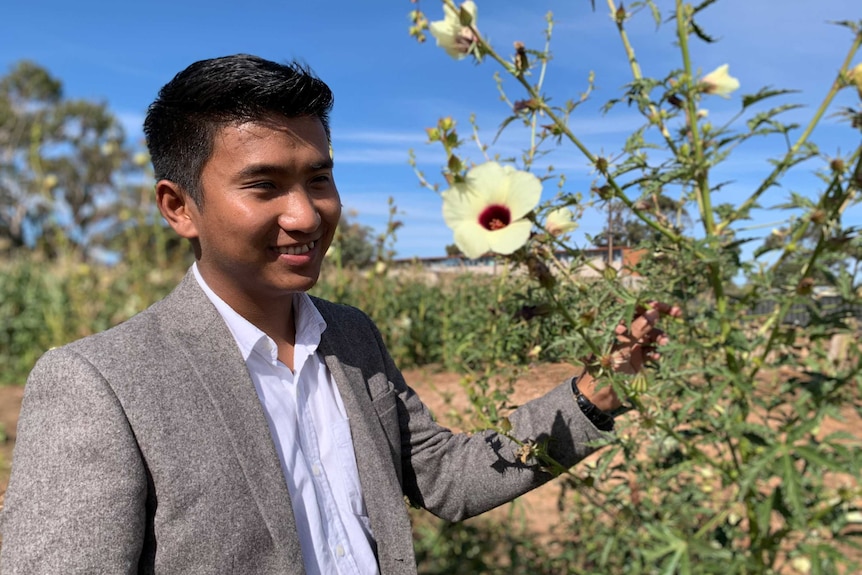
column 486, row 211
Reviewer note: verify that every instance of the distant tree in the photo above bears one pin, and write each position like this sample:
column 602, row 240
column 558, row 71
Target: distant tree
column 355, row 242
column 623, row 229
column 452, row 250
column 840, row 253
column 61, row 163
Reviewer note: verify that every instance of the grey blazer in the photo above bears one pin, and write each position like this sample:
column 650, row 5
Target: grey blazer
column 145, row 449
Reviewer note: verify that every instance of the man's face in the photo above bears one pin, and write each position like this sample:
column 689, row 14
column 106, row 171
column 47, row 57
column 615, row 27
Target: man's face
column 270, row 208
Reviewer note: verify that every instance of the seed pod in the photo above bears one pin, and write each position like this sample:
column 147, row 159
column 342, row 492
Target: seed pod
column 639, row 383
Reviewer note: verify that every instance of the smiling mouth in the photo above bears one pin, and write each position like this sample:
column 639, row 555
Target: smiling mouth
column 295, row 250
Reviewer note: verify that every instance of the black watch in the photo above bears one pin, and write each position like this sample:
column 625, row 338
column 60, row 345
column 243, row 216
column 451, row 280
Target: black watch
column 601, row 419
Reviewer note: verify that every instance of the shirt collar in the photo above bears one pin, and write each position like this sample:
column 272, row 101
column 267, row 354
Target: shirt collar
column 310, row 325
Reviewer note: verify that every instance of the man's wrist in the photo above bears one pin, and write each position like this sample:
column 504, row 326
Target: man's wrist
column 601, row 419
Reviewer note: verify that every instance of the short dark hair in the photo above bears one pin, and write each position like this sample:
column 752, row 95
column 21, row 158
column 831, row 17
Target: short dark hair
column 190, row 109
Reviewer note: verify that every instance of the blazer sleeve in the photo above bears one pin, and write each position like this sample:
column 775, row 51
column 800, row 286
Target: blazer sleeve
column 456, row 476
column 77, row 494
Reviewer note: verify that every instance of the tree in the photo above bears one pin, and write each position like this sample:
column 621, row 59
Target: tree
column 354, row 242
column 624, row 229
column 60, row 165
column 452, row 250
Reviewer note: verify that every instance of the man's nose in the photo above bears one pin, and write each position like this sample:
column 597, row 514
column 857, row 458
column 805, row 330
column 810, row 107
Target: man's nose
column 299, row 212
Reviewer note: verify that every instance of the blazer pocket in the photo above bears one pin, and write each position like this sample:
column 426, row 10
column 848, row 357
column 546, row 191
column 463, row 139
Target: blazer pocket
column 386, row 407
column 385, row 403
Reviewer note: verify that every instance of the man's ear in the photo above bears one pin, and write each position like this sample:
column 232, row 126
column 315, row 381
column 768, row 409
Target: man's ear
column 178, row 208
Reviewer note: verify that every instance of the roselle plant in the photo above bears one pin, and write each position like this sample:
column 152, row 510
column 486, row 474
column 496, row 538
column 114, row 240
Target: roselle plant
column 728, row 461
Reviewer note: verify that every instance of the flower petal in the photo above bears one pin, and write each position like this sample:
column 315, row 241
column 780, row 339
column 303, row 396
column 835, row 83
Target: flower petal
column 489, row 181
column 524, row 192
column 510, row 238
column 473, row 240
column 448, row 30
column 560, row 221
column 461, row 203
column 720, row 82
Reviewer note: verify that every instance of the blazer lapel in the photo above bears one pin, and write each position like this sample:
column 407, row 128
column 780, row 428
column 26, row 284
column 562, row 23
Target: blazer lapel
column 212, row 351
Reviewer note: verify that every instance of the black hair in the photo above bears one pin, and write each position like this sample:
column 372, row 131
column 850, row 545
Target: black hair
column 190, row 109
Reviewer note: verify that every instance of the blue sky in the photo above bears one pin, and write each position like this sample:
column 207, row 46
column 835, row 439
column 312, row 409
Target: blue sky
column 388, row 88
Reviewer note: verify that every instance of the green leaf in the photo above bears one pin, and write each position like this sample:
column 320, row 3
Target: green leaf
column 703, row 5
column 792, row 485
column 700, row 33
column 814, row 456
column 763, row 94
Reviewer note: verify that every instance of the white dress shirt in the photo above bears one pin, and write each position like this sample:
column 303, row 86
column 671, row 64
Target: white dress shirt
column 311, row 433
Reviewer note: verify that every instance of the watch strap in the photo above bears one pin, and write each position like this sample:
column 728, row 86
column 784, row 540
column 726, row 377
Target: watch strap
column 601, row 419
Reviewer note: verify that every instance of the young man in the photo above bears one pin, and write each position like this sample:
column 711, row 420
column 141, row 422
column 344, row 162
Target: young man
column 239, row 425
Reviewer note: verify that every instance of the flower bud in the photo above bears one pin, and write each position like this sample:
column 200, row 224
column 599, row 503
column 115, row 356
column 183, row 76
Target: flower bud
column 588, row 317
column 856, row 78
column 521, row 105
column 602, row 165
column 455, row 165
column 604, row 192
column 521, row 61
column 818, row 217
column 805, row 287
column 540, row 272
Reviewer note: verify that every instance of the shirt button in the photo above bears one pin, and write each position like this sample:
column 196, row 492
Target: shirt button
column 339, row 550
column 315, row 469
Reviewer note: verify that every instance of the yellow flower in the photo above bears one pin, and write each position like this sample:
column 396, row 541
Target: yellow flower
column 719, row 82
column 560, row 221
column 457, row 39
column 486, row 211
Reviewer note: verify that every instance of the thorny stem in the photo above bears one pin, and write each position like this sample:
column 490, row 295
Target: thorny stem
column 701, row 178
column 534, row 121
column 774, row 322
column 594, row 347
column 638, row 75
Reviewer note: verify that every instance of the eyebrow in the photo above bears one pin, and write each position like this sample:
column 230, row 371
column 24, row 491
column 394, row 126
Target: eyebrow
column 256, row 170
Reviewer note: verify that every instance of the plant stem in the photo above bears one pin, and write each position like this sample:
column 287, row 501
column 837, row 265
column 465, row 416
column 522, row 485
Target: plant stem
column 638, row 75
column 701, row 180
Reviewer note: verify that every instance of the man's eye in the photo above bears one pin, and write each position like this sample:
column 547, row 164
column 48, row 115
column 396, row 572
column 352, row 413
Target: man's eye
column 262, row 185
column 323, row 178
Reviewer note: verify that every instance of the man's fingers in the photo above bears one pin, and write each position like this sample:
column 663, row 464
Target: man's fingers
column 666, row 309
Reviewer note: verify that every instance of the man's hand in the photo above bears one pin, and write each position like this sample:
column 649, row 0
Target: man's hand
column 636, row 344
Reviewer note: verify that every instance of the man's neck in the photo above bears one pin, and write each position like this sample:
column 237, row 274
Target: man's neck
column 274, row 316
